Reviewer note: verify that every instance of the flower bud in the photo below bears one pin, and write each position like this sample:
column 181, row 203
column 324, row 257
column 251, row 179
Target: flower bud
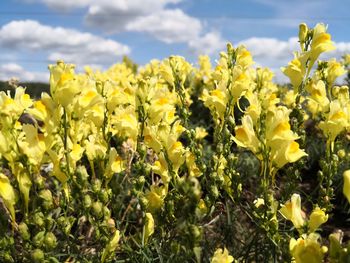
column 303, row 30
column 103, row 196
column 341, row 153
column 97, row 209
column 140, row 181
column 24, row 231
column 82, row 174
column 39, row 219
column 317, row 218
column 46, row 197
column 37, row 255
column 50, row 240
column 110, row 223
column 214, row 191
column 144, row 202
column 38, row 239
column 39, row 181
column 346, row 185
column 7, row 258
column 106, row 212
column 195, row 232
column 87, row 201
column 96, row 186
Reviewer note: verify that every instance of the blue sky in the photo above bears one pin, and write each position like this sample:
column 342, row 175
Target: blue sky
column 35, row 33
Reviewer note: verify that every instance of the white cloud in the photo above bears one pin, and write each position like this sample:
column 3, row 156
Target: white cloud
column 13, row 70
column 271, row 47
column 154, row 17
column 68, row 44
column 208, row 44
column 169, row 26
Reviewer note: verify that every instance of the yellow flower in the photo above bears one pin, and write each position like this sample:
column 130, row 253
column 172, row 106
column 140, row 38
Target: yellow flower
column 291, row 210
column 24, row 182
column 254, row 108
column 149, row 226
column 7, row 193
column 321, row 42
column 216, row 101
column 336, row 121
column 244, row 58
column 296, row 70
column 124, row 122
column 346, row 186
column 307, row 249
column 95, row 147
column 200, row 133
column 176, row 154
column 221, row 256
column 63, row 84
column 111, row 246
column 317, row 218
column 333, row 71
column 287, row 152
column 245, row 135
column 278, row 127
column 155, row 197
column 318, row 100
column 191, row 165
column 33, row 145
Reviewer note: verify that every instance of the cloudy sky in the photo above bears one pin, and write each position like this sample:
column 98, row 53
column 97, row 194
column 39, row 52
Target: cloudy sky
column 35, row 33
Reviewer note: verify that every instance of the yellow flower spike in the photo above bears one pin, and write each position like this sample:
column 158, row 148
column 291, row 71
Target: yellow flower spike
column 346, row 185
column 111, row 246
column 222, row 256
column 317, row 218
column 291, row 210
column 148, row 227
column 7, row 193
column 307, row 249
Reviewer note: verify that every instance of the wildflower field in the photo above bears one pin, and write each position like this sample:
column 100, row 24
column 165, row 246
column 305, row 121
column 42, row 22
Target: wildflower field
column 177, row 163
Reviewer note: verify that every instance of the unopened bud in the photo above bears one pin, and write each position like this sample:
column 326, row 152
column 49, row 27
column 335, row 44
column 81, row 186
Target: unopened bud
column 38, row 239
column 46, row 197
column 97, row 209
column 37, row 255
column 50, row 240
column 24, row 231
column 303, row 30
